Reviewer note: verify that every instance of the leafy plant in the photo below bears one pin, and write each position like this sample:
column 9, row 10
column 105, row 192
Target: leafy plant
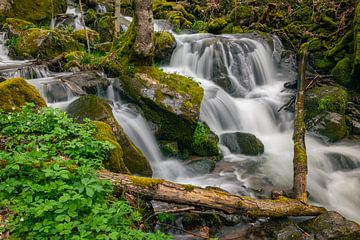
column 48, row 181
column 201, row 134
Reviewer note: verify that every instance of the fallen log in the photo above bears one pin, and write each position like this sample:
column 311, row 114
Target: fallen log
column 162, row 190
column 300, row 157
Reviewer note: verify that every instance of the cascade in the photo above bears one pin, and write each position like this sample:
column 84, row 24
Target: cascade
column 243, row 78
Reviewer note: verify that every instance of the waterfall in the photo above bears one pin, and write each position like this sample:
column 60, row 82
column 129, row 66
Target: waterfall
column 243, row 77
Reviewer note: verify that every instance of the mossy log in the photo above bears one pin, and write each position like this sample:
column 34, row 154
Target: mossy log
column 158, row 189
column 300, row 157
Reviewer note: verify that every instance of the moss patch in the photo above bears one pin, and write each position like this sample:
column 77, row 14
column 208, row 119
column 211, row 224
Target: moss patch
column 341, row 72
column 16, row 92
column 115, row 161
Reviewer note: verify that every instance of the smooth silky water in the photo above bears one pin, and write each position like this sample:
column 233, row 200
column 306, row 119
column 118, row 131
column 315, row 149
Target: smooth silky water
column 243, row 78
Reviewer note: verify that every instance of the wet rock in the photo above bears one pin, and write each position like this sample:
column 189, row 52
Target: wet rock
column 91, row 82
column 169, row 148
column 244, row 143
column 202, row 165
column 330, row 125
column 165, row 44
column 205, row 142
column 330, row 226
column 55, row 92
column 325, row 111
column 115, row 161
column 16, row 92
column 97, row 109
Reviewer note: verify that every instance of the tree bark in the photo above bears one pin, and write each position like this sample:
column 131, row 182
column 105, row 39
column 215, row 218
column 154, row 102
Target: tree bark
column 166, row 191
column 300, row 157
column 117, row 18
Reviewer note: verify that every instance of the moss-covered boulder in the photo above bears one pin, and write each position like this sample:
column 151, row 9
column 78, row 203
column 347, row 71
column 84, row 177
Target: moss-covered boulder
column 16, row 92
column 91, row 82
column 244, row 143
column 169, row 148
column 331, row 225
column 341, row 72
column 170, row 101
column 216, row 25
column 16, row 26
column 165, row 44
column 105, row 27
column 115, row 161
column 325, row 111
column 205, row 142
column 41, row 43
column 97, row 109
column 80, row 36
column 202, row 165
column 39, row 11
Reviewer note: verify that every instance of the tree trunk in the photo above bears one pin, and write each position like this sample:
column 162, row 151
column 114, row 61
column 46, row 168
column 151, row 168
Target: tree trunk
column 300, row 157
column 162, row 190
column 117, row 18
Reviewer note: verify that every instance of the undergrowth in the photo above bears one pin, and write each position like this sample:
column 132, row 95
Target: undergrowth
column 48, row 181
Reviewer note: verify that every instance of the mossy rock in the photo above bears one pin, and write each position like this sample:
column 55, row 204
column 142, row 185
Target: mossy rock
column 200, row 26
column 115, row 161
column 165, row 44
column 39, row 11
column 169, row 148
column 170, row 101
column 341, row 72
column 16, row 92
column 325, row 111
column 244, row 143
column 95, row 108
column 40, row 43
column 205, row 142
column 356, row 57
column 217, row 25
column 80, row 36
column 17, row 26
column 325, row 99
column 332, row 226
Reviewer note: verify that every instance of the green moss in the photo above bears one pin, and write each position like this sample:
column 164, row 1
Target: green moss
column 216, row 25
column 16, row 24
column 300, row 154
column 188, row 187
column 40, row 43
column 145, row 182
column 341, row 72
column 40, row 11
column 325, row 99
column 204, row 143
column 80, row 36
column 165, row 43
column 115, row 162
column 169, row 148
column 199, row 26
column 16, row 92
column 106, row 28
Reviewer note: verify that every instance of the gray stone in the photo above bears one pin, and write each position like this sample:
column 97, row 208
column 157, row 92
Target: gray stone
column 244, row 143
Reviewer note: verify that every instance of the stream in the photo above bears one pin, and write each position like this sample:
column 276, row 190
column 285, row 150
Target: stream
column 243, row 76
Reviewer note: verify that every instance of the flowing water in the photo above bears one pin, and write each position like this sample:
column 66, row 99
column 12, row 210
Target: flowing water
column 243, row 77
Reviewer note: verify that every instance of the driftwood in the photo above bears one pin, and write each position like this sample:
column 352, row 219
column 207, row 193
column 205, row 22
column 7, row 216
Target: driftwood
column 300, row 157
column 161, row 190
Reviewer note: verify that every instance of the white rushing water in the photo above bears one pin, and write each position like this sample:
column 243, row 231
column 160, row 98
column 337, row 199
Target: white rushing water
column 243, row 82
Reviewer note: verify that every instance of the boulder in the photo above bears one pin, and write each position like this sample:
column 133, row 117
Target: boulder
column 341, row 72
column 205, row 142
column 169, row 101
column 80, row 36
column 97, row 109
column 325, row 111
column 330, row 125
column 16, row 92
column 39, row 11
column 91, row 82
column 331, row 225
column 115, row 161
column 202, row 165
column 165, row 44
column 39, row 43
column 244, row 143
column 169, row 148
